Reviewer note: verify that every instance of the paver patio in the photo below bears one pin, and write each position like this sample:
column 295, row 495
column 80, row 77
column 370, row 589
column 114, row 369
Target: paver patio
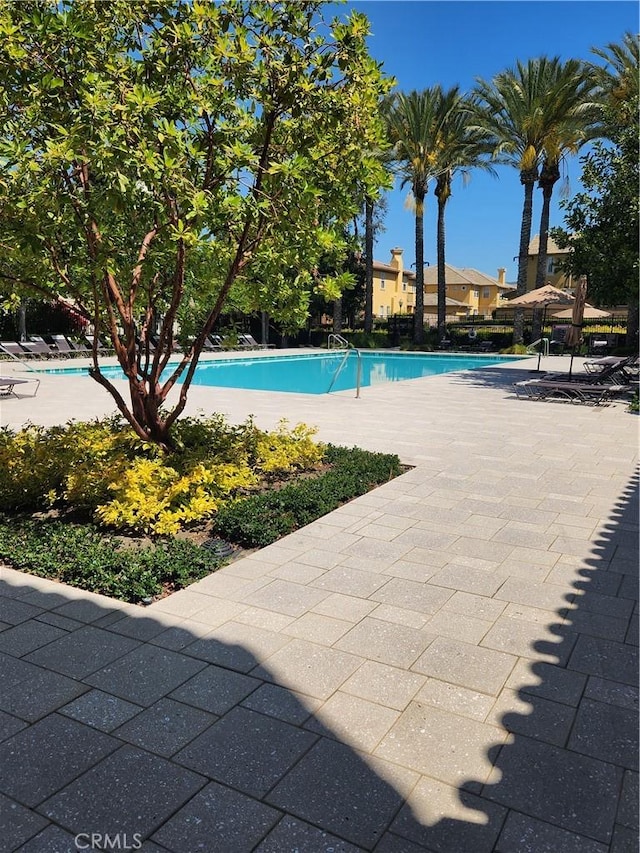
column 446, row 664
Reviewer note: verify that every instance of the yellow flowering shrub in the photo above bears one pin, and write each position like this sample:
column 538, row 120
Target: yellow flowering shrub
column 285, row 449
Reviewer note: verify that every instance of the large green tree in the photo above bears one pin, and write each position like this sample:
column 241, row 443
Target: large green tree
column 524, row 109
column 154, row 152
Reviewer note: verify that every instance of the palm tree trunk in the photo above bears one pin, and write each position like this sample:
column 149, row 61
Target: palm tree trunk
column 337, row 316
column 442, row 286
column 418, row 319
column 528, row 179
column 549, row 175
column 368, row 272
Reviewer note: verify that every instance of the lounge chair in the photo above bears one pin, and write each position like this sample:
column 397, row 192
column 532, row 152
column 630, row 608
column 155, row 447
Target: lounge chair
column 36, row 348
column 211, row 344
column 8, row 383
column 102, row 349
column 14, row 349
column 617, row 371
column 596, row 366
column 251, row 343
column 574, row 392
column 62, row 345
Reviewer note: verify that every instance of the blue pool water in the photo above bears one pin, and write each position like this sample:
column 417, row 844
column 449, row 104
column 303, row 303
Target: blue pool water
column 320, row 373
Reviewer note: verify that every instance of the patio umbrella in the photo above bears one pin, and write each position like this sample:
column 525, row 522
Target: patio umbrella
column 574, row 332
column 540, row 298
column 590, row 313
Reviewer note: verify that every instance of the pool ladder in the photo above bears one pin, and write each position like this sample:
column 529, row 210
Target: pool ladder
column 349, row 349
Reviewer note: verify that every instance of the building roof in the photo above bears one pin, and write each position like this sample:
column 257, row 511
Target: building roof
column 467, row 275
column 552, row 246
column 431, row 301
column 381, row 266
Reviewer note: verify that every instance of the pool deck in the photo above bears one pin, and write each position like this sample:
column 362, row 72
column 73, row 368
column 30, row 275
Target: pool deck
column 446, row 664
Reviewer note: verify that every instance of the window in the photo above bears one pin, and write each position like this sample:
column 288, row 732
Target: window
column 486, row 292
column 404, row 286
column 381, row 284
column 551, row 266
column 476, row 292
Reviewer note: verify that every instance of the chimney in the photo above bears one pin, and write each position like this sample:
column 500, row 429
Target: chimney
column 396, row 259
column 502, row 275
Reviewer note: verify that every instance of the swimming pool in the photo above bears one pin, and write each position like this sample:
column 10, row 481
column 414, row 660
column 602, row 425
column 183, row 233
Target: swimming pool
column 323, row 372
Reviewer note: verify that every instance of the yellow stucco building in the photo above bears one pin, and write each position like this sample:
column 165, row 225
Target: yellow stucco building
column 553, row 274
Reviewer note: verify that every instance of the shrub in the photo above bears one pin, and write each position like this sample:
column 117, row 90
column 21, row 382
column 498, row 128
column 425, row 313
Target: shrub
column 258, row 520
column 79, row 555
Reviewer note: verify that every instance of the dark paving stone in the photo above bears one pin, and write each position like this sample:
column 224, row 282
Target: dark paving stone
column 59, row 621
column 628, row 806
column 53, row 840
column 37, row 696
column 101, row 710
column 333, row 788
column 82, row 652
column 603, row 690
column 278, row 702
column 216, row 689
column 230, row 821
column 448, row 820
column 146, row 674
column 575, row 792
column 165, row 727
column 246, row 750
column 10, row 725
column 292, row 834
column 14, row 612
column 523, row 834
column 607, row 732
column 28, row 636
column 43, row 758
column 605, row 658
column 390, row 843
column 84, row 610
column 231, row 655
column 14, row 670
column 18, row 824
column 139, row 627
column 555, row 683
column 625, row 840
column 129, row 792
column 543, row 720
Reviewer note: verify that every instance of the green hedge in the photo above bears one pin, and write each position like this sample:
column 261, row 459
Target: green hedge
column 258, row 520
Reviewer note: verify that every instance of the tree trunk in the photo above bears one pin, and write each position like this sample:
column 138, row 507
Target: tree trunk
column 527, row 179
column 337, row 316
column 549, row 175
column 632, row 326
column 442, row 192
column 418, row 319
column 368, row 273
column 22, row 321
column 264, row 328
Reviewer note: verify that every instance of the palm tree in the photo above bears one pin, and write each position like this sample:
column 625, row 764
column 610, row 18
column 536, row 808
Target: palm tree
column 619, row 79
column 523, row 108
column 412, row 124
column 460, row 147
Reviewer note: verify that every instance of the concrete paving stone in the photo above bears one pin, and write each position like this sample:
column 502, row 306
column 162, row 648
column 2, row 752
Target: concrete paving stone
column 633, row 632
column 378, row 565
column 385, row 642
column 36, row 696
column 477, row 606
column 607, row 732
column 541, row 595
column 628, row 805
column 432, row 536
column 45, row 598
column 100, row 710
column 465, row 628
column 624, row 840
column 209, row 610
column 237, row 646
column 551, row 642
column 165, row 727
column 52, row 840
column 400, row 616
column 468, row 546
column 179, row 636
column 374, row 530
column 524, row 536
column 235, row 822
column 524, row 613
column 568, row 531
column 85, row 610
column 318, row 629
column 309, row 668
column 532, row 556
column 346, row 607
column 296, row 835
column 571, row 791
column 276, row 701
column 352, row 720
column 398, row 519
column 338, row 542
column 18, row 824
column 605, row 605
column 138, row 627
column 605, row 658
column 220, row 584
column 391, row 843
column 59, row 621
column 386, row 685
column 411, row 595
column 628, row 587
column 488, row 524
column 597, row 550
column 348, row 581
column 524, row 834
column 624, row 566
column 584, row 578
column 292, row 599
column 247, row 751
column 467, row 579
column 333, row 788
column 612, row 692
column 448, row 820
column 82, row 652
column 426, row 557
column 533, row 716
column 440, row 744
column 266, row 619
column 296, row 572
column 40, row 760
column 597, row 625
column 481, row 669
column 455, row 699
column 24, row 638
column 378, row 549
column 410, row 571
column 513, row 512
column 548, row 681
column 529, row 571
column 10, row 725
column 145, row 674
column 248, row 568
column 128, row 792
column 14, row 612
column 215, row 689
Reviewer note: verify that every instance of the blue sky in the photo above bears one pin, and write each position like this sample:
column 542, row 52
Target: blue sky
column 426, row 42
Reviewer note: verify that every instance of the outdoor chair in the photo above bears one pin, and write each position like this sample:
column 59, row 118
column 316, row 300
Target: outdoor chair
column 37, row 348
column 14, row 349
column 620, row 371
column 557, row 340
column 62, row 345
column 102, row 349
column 573, row 392
column 8, row 383
column 251, row 342
column 211, row 345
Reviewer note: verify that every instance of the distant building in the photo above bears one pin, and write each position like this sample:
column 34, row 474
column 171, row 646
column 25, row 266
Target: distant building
column 553, row 272
column 394, row 288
